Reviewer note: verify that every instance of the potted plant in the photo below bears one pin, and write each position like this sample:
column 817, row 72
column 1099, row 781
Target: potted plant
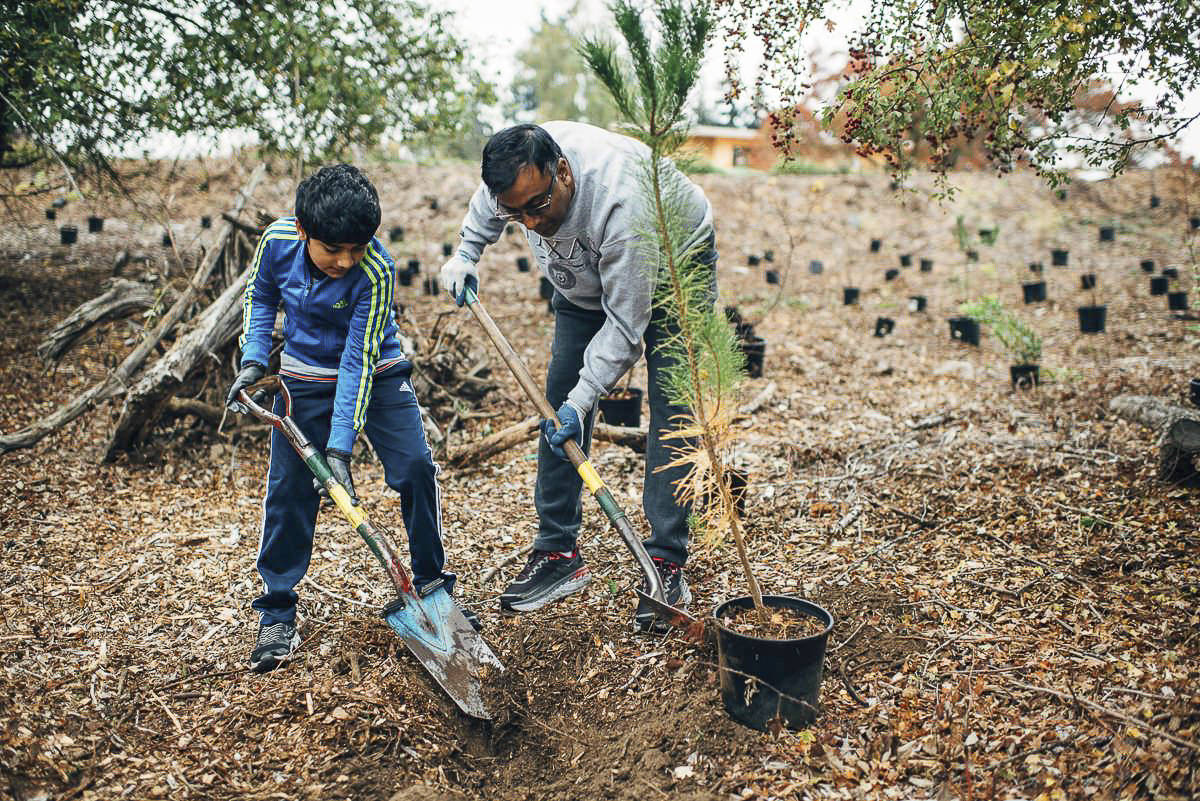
column 917, row 303
column 770, row 648
column 884, row 326
column 816, row 267
column 396, row 233
column 1147, row 265
column 1059, row 257
column 68, row 234
column 1091, row 317
column 523, row 264
column 1108, row 233
column 95, row 224
column 876, row 244
column 1022, row 342
column 622, row 406
column 1034, row 291
column 849, row 295
column 926, row 265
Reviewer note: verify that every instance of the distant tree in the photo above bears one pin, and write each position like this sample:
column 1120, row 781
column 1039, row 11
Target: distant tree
column 553, row 82
column 84, row 79
column 1025, row 78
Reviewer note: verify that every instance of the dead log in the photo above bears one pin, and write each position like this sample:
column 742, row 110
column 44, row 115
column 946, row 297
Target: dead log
column 121, row 298
column 197, row 408
column 518, row 433
column 1178, row 429
column 118, row 380
column 146, row 400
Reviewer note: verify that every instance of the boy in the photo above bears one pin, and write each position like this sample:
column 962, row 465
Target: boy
column 343, row 364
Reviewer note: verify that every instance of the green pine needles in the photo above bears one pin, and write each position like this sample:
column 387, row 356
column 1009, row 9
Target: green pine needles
column 1021, row 341
column 707, row 364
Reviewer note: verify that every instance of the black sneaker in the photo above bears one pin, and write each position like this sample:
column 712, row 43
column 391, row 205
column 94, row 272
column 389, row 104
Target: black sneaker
column 675, row 591
column 547, row 576
column 276, row 642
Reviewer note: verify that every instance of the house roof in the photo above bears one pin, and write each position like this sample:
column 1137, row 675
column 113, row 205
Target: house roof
column 722, row 132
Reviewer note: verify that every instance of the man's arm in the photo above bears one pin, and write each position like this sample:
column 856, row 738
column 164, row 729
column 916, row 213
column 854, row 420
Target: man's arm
column 480, row 227
column 627, row 289
column 260, row 301
column 368, row 322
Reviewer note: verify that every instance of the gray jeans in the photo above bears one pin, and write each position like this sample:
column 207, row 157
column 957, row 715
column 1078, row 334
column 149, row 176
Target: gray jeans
column 557, row 494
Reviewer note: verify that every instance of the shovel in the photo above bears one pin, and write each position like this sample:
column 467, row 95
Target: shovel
column 591, row 479
column 428, row 621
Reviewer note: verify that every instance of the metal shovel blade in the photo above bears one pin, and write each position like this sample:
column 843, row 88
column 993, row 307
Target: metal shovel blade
column 442, row 640
column 693, row 627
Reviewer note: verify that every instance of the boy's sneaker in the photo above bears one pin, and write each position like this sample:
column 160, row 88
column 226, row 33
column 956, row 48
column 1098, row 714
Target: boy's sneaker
column 547, row 576
column 675, row 591
column 275, row 644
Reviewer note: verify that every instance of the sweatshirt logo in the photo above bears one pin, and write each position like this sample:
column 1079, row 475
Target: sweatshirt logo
column 563, row 278
column 341, row 304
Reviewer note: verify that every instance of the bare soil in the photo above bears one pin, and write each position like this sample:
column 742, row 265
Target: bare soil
column 1015, row 594
column 782, row 623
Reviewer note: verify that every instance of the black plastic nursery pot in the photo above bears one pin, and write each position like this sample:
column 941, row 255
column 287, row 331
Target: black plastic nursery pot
column 926, row 265
column 95, row 225
column 622, row 407
column 396, row 233
column 906, row 260
column 51, row 214
column 876, row 244
column 1092, row 319
column 1155, row 201
column 1024, row 376
column 1177, row 301
column 67, row 234
column 447, row 249
column 987, row 236
column 522, row 264
column 1087, row 281
column 1035, row 267
column 769, row 255
column 1147, row 265
column 972, row 255
column 1158, row 285
column 884, row 326
column 166, row 239
column 545, row 288
column 849, row 295
column 773, row 277
column 1170, row 272
column 433, row 205
column 891, row 274
column 916, row 303
column 815, row 267
column 1194, row 391
column 1194, row 222
column 414, row 266
column 1058, row 258
column 755, row 351
column 1035, row 292
column 965, row 330
column 205, row 221
column 1107, row 233
column 430, row 285
column 766, row 679
column 753, row 260
column 404, row 277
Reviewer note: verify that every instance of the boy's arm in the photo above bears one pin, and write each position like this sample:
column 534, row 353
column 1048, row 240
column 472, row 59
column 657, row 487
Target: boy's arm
column 260, row 301
column 480, row 227
column 368, row 322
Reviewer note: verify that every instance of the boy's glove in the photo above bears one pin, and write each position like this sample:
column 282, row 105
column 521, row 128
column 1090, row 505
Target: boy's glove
column 458, row 274
column 571, row 428
column 339, row 465
column 249, row 374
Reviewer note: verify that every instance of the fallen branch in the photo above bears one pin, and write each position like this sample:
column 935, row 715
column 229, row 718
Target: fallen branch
column 121, row 298
column 758, row 400
column 519, row 433
column 1178, row 429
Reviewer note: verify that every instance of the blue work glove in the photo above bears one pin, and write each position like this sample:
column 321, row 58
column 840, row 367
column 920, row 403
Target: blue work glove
column 339, row 465
column 456, row 276
column 572, row 428
column 249, row 374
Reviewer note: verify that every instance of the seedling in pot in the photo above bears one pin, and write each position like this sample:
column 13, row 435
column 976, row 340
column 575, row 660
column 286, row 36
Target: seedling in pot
column 1108, row 233
column 1177, row 301
column 891, row 274
column 1034, row 292
column 1035, row 267
column 769, row 255
column 95, row 224
column 876, row 244
column 754, row 351
column 1158, row 285
column 1061, row 194
column 926, row 265
column 1155, row 201
column 68, row 234
column 988, row 235
column 51, row 214
column 205, row 221
column 447, row 249
column 964, row 330
column 430, row 285
column 414, row 266
column 1147, row 265
column 752, row 259
column 396, row 233
column 1019, row 339
column 1092, row 319
column 1087, row 281
column 884, row 326
column 1195, row 223
column 433, row 205
column 772, row 277
column 815, row 267
column 916, row 303
column 906, row 260
column 166, row 239
column 405, row 277
column 1170, row 272
column 622, row 406
column 522, row 264
column 1059, row 258
column 849, row 295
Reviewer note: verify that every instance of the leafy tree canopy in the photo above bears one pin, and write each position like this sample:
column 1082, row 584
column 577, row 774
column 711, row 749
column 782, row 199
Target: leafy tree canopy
column 87, row 78
column 1022, row 78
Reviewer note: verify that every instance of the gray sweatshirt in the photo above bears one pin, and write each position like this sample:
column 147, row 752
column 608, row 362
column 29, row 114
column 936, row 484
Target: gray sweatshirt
column 596, row 259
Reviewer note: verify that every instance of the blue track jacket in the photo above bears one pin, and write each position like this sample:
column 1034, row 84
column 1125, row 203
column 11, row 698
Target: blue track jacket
column 330, row 324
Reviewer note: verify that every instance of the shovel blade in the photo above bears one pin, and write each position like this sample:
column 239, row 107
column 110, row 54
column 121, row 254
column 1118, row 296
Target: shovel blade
column 692, row 627
column 442, row 640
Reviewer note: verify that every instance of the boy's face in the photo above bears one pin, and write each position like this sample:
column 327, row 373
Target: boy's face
column 335, row 260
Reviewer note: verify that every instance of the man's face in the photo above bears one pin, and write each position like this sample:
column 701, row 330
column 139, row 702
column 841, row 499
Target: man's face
column 335, row 260
column 532, row 189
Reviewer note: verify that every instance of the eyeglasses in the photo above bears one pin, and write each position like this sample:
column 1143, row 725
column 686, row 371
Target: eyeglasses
column 533, row 209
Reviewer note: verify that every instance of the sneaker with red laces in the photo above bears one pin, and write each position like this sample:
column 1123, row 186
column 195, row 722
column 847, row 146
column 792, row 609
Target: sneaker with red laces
column 675, row 592
column 546, row 577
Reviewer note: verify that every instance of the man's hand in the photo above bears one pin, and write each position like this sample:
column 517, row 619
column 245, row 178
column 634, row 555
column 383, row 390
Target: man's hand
column 457, row 276
column 572, row 428
column 339, row 465
column 249, row 374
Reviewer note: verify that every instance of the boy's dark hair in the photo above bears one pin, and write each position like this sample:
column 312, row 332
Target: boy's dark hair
column 513, row 148
column 337, row 204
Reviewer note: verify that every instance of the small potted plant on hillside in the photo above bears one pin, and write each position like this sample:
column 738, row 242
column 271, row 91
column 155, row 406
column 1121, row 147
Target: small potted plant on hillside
column 771, row 648
column 1092, row 317
column 964, row 329
column 1021, row 341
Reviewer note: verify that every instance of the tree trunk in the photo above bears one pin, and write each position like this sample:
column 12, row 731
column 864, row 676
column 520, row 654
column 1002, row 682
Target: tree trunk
column 115, row 383
column 121, row 298
column 518, row 433
column 1178, row 429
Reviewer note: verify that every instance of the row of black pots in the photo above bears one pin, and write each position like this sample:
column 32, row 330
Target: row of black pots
column 753, row 259
column 69, row 234
column 753, row 347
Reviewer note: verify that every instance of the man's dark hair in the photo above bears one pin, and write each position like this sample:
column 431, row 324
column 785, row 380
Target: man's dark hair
column 513, row 148
column 338, row 205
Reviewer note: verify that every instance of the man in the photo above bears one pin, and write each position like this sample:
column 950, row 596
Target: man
column 578, row 193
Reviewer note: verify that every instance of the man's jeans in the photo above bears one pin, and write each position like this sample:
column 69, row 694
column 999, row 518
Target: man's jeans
column 557, row 495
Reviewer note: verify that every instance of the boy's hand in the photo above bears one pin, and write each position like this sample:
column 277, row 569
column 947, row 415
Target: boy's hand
column 571, row 428
column 458, row 274
column 250, row 374
column 339, row 465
